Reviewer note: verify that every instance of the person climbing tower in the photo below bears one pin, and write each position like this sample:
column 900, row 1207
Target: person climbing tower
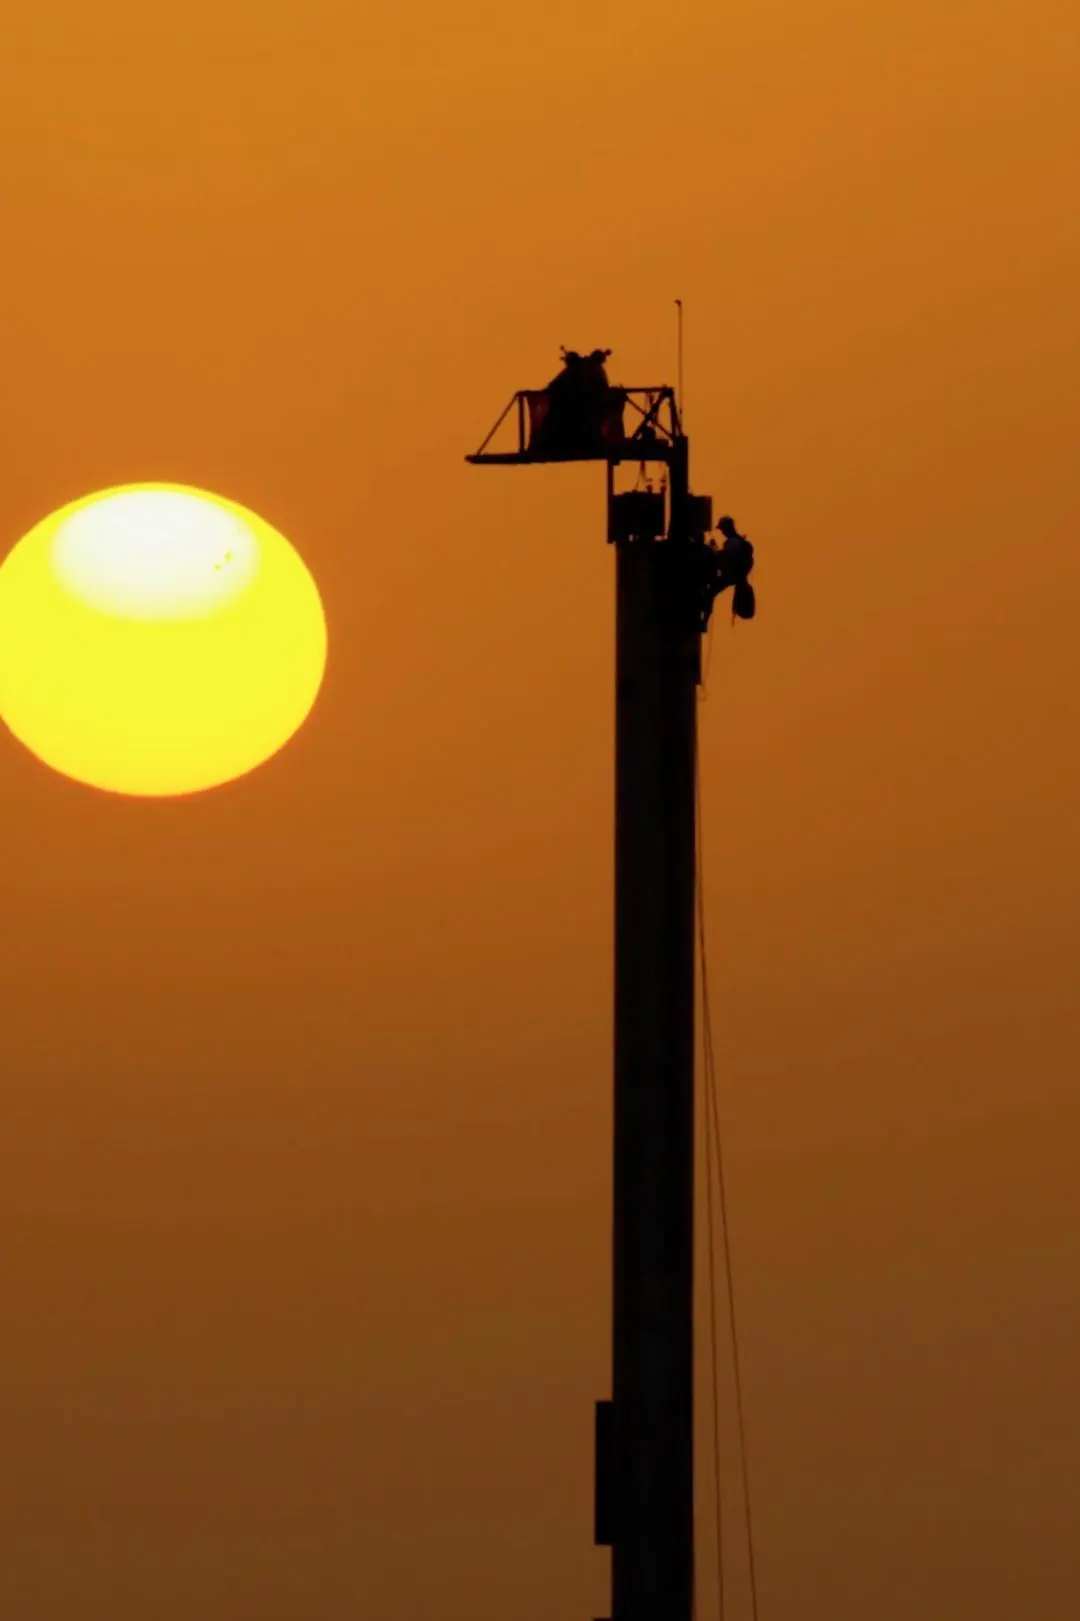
column 736, row 559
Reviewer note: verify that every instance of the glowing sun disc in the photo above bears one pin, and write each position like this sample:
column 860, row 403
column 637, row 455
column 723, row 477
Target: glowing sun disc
column 157, row 639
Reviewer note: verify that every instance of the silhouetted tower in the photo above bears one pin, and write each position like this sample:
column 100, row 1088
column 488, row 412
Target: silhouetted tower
column 668, row 574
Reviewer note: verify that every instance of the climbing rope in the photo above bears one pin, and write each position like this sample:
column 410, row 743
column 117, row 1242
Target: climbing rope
column 717, row 1206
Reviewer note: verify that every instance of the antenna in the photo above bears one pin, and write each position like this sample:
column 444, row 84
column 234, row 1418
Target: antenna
column 682, row 391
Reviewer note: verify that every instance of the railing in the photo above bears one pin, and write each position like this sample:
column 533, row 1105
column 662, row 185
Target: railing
column 587, row 427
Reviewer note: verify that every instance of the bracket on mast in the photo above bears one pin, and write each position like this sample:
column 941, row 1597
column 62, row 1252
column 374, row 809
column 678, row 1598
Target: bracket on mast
column 547, row 432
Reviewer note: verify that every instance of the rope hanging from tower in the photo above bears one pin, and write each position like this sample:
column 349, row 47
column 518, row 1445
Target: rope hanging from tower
column 717, row 1225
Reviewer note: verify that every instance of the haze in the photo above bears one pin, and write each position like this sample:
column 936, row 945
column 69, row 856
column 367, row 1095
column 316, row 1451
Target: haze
column 305, row 1154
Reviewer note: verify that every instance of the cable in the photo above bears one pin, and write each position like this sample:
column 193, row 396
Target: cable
column 713, row 1335
column 705, row 681
column 714, row 1150
column 710, row 1220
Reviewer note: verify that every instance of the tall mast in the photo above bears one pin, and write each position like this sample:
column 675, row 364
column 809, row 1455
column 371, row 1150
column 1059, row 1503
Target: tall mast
column 658, row 641
column 667, row 576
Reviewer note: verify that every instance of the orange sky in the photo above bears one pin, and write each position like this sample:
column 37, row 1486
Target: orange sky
column 305, row 1181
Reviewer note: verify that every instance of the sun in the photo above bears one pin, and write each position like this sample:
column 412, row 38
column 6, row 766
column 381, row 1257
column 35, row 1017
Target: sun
column 157, row 640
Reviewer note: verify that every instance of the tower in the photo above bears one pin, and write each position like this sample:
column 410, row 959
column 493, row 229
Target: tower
column 668, row 574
